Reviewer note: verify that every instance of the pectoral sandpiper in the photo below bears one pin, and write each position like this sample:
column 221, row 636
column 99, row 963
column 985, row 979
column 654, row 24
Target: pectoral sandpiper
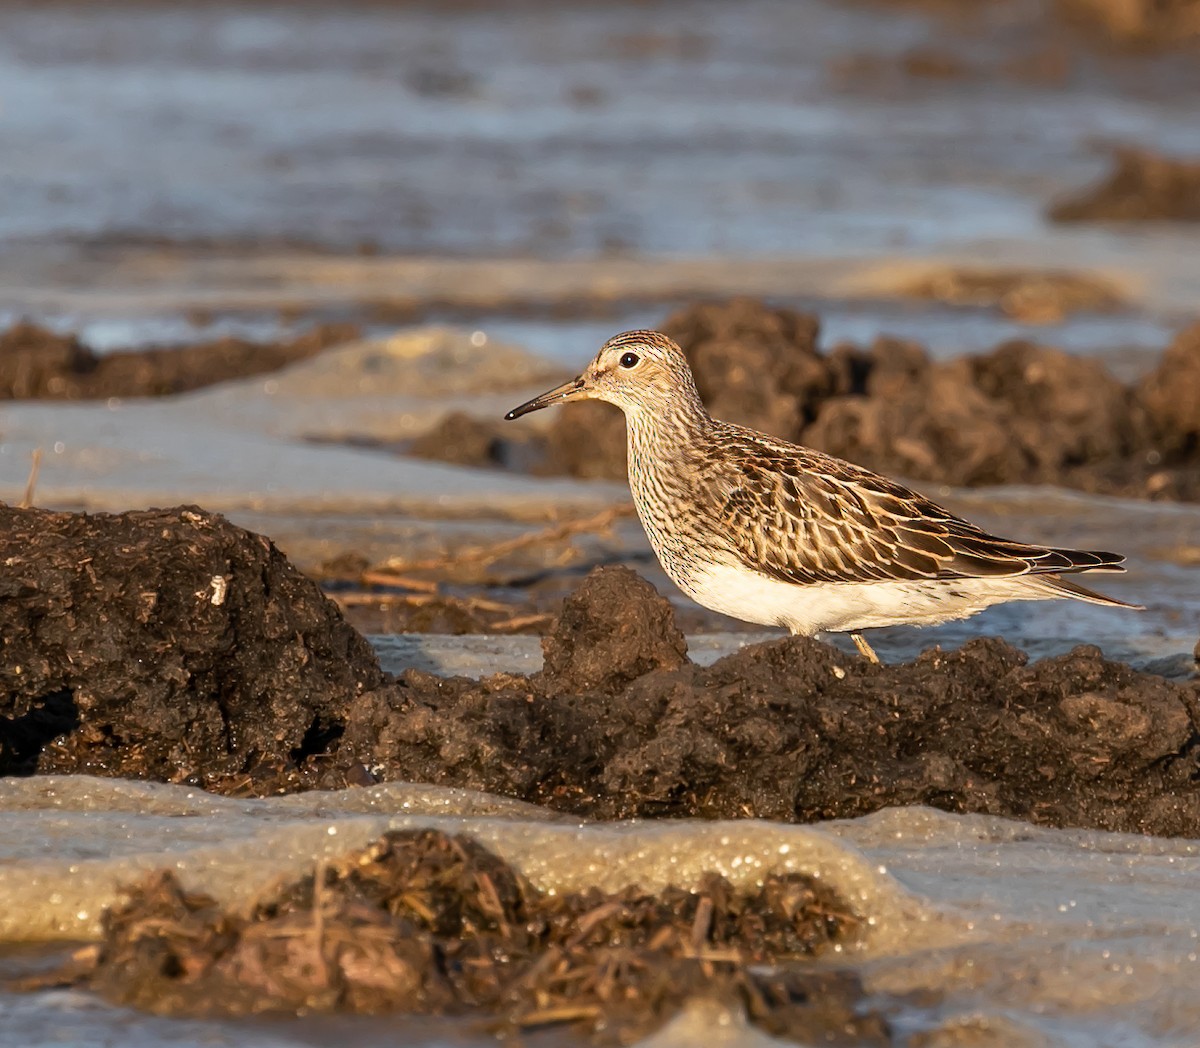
column 775, row 533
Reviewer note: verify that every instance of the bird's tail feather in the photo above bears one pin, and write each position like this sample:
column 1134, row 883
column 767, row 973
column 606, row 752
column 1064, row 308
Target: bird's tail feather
column 1060, row 587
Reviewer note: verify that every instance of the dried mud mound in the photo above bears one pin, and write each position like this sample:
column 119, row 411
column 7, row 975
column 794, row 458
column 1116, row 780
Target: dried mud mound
column 171, row 645
column 37, row 364
column 1140, row 24
column 1021, row 414
column 797, row 731
column 1142, row 187
column 422, row 922
column 165, row 644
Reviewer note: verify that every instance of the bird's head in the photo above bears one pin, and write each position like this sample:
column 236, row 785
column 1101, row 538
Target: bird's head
column 636, row 370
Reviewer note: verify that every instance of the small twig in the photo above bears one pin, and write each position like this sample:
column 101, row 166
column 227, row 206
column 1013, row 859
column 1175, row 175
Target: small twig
column 384, row 578
column 318, row 904
column 353, row 600
column 35, row 467
column 702, row 923
column 566, row 1013
column 521, row 621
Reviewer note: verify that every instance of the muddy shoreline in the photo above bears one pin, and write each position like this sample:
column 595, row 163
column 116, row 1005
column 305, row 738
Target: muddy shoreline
column 170, row 645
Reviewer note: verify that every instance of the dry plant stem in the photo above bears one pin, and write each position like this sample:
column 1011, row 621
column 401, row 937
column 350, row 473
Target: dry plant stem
column 35, row 467
column 351, row 600
column 521, row 621
column 599, row 522
column 381, row 578
column 318, row 925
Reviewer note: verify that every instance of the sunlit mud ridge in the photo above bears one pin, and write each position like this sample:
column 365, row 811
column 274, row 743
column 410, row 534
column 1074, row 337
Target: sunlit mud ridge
column 1021, row 414
column 172, row 646
column 1141, row 187
column 423, row 922
column 36, row 363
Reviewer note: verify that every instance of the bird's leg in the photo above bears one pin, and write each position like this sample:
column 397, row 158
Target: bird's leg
column 864, row 649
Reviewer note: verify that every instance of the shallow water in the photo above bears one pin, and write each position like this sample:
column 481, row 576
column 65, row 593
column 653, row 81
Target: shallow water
column 691, row 128
column 1069, row 936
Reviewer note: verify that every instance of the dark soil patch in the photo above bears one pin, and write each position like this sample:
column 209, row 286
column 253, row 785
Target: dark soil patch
column 795, row 730
column 1139, row 24
column 37, row 364
column 427, row 923
column 1021, row 414
column 1142, row 187
column 182, row 647
column 118, row 660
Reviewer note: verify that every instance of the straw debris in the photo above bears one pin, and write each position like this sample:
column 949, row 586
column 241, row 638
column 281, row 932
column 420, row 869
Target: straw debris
column 423, row 922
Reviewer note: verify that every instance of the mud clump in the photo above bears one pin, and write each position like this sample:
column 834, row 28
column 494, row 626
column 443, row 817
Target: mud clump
column 1037, row 297
column 423, row 922
column 38, row 364
column 612, row 630
column 1021, row 414
column 170, row 645
column 587, row 441
column 164, row 644
column 1170, row 396
column 754, row 366
column 796, row 731
column 1142, row 187
column 1138, row 24
column 461, row 439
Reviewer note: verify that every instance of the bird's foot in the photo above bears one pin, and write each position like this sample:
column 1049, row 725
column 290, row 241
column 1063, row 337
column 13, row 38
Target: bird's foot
column 865, row 649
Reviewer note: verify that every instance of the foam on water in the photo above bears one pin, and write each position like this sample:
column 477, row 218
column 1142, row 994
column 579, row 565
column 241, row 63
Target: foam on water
column 1031, row 935
column 92, row 835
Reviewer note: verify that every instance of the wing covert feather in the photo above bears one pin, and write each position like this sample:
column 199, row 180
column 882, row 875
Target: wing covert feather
column 801, row 516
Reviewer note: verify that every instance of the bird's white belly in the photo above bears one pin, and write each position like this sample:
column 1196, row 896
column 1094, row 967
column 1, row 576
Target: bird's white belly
column 848, row 606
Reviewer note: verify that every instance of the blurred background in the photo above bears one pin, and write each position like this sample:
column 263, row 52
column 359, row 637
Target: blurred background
column 291, row 261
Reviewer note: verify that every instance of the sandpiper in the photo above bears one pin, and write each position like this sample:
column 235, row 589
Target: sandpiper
column 771, row 532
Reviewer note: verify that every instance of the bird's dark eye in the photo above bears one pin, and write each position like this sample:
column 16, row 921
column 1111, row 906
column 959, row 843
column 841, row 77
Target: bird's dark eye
column 629, row 360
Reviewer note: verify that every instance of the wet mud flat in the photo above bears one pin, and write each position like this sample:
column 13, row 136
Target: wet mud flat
column 170, row 645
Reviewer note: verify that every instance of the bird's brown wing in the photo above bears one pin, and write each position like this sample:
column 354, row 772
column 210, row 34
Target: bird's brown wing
column 801, row 516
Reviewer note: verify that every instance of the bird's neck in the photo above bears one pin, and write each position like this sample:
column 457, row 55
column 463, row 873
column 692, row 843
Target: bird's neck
column 661, row 439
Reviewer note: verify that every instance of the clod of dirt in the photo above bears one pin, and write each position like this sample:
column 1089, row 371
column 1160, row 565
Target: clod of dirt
column 423, row 922
column 38, row 364
column 612, row 630
column 463, row 440
column 1142, row 187
column 1034, row 297
column 794, row 730
column 1170, row 396
column 585, row 440
column 1022, row 413
column 754, row 366
column 1137, row 23
column 164, row 644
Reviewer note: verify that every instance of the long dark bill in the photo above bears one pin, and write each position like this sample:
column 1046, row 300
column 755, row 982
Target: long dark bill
column 557, row 395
